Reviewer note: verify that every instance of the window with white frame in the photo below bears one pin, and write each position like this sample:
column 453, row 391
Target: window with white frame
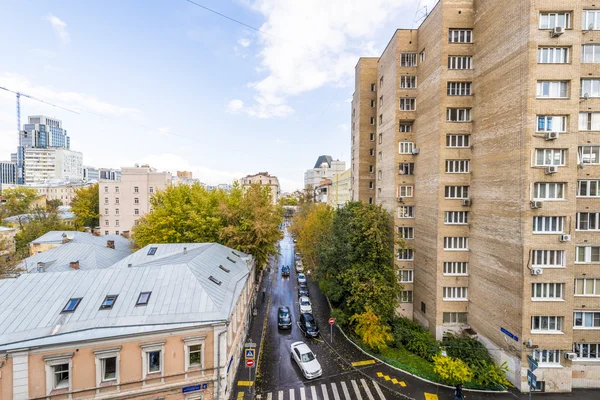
column 372, row 121
column 194, row 354
column 590, row 53
column 405, row 191
column 547, row 357
column 422, row 55
column 406, row 275
column 408, row 82
column 406, row 232
column 547, row 224
column 373, row 87
column 458, row 243
column 460, row 62
column 551, row 20
column 380, row 136
column 58, row 372
column 455, row 293
column 106, row 200
column 107, row 365
column 586, row 319
column 548, row 259
column 372, row 152
column 589, row 154
column 589, row 121
column 590, row 87
column 456, row 268
column 587, row 254
column 553, row 55
column 405, row 147
column 588, row 221
column 403, row 127
column 406, row 211
column 458, row 114
column 459, row 88
column 456, row 217
column 406, row 168
column 460, row 36
column 456, row 192
column 379, row 175
column 587, row 351
column 408, row 59
column 587, row 287
column 547, row 291
column 408, row 104
column 547, row 157
column 548, row 191
column 546, row 324
column 406, row 296
column 451, row 318
column 591, row 20
column 457, row 166
column 551, row 123
column 152, row 358
column 588, row 188
column 458, row 141
column 552, row 89
column 406, row 254
column 380, row 156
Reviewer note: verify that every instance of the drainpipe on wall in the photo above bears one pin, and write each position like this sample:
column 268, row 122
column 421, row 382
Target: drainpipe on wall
column 219, row 360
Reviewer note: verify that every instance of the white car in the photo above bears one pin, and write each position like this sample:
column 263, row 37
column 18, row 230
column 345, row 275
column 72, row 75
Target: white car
column 306, row 360
column 305, row 306
column 301, row 278
column 299, row 267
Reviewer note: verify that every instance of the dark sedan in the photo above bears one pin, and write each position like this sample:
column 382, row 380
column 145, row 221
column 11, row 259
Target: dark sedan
column 302, row 289
column 284, row 320
column 308, row 325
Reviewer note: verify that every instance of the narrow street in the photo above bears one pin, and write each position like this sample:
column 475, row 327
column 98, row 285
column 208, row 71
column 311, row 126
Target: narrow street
column 348, row 373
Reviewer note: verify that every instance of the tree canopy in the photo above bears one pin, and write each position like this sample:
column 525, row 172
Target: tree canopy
column 86, row 206
column 17, row 201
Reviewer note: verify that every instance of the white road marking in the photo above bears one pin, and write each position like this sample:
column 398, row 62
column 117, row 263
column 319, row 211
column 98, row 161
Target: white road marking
column 280, row 395
column 269, row 396
column 324, row 389
column 345, row 390
column 378, row 390
column 291, row 394
column 302, row 394
column 313, row 393
column 356, row 390
column 366, row 387
column 336, row 395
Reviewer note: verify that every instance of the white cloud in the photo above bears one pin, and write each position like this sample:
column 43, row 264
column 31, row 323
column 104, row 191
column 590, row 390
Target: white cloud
column 235, row 106
column 42, row 53
column 244, row 42
column 344, row 127
column 60, row 28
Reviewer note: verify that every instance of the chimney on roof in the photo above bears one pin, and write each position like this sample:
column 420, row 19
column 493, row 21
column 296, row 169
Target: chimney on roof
column 41, row 266
column 125, row 234
column 185, row 250
column 110, row 244
column 87, row 229
column 65, row 238
column 74, row 264
column 96, row 231
column 129, row 265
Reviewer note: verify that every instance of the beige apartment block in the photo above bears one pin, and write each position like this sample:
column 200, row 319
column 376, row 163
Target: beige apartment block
column 339, row 192
column 488, row 154
column 264, row 179
column 123, row 202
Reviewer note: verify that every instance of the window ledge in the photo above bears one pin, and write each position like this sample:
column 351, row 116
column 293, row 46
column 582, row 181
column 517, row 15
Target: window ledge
column 546, row 299
column 586, row 328
column 455, row 299
column 533, row 332
column 542, row 365
column 455, row 274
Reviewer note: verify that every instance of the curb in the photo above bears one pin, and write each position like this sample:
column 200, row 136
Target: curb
column 406, row 372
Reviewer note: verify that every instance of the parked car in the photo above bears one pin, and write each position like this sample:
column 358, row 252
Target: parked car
column 303, row 290
column 301, row 278
column 305, row 306
column 299, row 266
column 309, row 326
column 295, row 240
column 285, row 271
column 306, row 360
column 284, row 319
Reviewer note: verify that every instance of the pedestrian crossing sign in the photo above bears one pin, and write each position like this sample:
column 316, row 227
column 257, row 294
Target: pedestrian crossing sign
column 249, row 354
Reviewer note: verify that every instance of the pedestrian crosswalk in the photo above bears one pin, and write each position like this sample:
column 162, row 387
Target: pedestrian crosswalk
column 354, row 389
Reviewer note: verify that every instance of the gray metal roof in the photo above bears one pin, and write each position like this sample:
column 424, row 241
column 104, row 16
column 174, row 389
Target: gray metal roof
column 323, row 159
column 121, row 243
column 89, row 256
column 182, row 295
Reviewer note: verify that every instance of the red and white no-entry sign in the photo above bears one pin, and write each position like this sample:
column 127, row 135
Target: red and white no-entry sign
column 249, row 363
column 331, row 321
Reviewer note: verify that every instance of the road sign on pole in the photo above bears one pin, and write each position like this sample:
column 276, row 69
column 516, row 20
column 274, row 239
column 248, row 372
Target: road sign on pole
column 250, row 354
column 533, row 364
column 531, row 379
column 331, row 321
column 250, row 363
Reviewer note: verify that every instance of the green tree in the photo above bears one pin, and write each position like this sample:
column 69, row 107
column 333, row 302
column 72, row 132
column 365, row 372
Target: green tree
column 38, row 224
column 52, row 205
column 288, row 201
column 452, row 370
column 8, row 257
column 17, row 200
column 371, row 329
column 86, row 206
column 312, row 229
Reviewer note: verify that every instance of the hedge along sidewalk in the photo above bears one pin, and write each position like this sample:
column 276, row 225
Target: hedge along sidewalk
column 403, row 370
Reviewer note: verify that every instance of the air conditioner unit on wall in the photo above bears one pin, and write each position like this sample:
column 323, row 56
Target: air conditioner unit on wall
column 536, row 204
column 466, row 202
column 552, row 135
column 415, row 150
column 552, row 169
column 537, row 271
column 557, row 31
column 565, row 238
column 400, row 199
column 570, row 356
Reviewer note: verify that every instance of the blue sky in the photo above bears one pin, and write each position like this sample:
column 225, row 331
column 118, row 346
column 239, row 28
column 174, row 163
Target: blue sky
column 173, row 85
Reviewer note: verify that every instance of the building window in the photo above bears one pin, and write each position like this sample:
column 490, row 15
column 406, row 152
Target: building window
column 116, row 200
column 459, row 88
column 405, row 147
column 136, row 200
column 406, row 212
column 71, row 305
column 371, row 168
column 452, row 318
column 106, row 200
column 456, row 268
column 553, row 55
column 152, row 358
column 547, row 357
column 116, row 211
column 404, row 191
column 405, row 127
column 152, row 251
column 460, row 62
column 406, row 232
column 116, row 222
column 456, row 243
column 372, row 120
column 460, row 36
column 587, row 254
column 406, row 254
column 587, row 221
column 381, row 101
column 372, row 103
column 107, row 365
column 116, row 189
column 136, row 189
column 587, row 287
column 589, row 155
column 106, row 232
column 423, row 308
column 380, row 119
column 588, row 188
column 545, row 224
column 109, row 302
column 136, row 211
column 151, row 190
column 548, row 291
column 455, row 294
column 406, row 296
column 458, row 141
column 553, row 20
column 408, row 59
column 456, row 192
column 373, row 87
column 372, row 152
column 408, row 82
column 587, row 351
column 371, row 186
column 379, row 177
column 406, row 168
column 543, row 324
column 143, row 299
column 106, row 223
column 380, row 156
column 457, row 166
column 380, row 138
column 553, row 89
column 408, row 104
column 105, row 189
column 456, row 217
column 591, row 20
column 586, row 319
column 194, row 357
column 548, row 259
column 551, row 123
column 422, row 55
column 458, row 115
column 548, row 191
column 547, row 157
column 372, row 137
column 106, row 211
column 406, row 275
column 589, row 121
column 370, row 200
column 590, row 87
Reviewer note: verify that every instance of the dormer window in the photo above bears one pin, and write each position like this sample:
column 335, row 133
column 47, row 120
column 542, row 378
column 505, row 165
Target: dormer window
column 152, row 251
column 109, row 302
column 143, row 299
column 71, row 305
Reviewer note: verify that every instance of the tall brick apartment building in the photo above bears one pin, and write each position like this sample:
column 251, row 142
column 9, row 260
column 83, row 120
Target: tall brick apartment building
column 480, row 131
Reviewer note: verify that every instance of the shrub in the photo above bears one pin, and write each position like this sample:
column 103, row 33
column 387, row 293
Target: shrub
column 415, row 338
column 340, row 316
column 490, row 374
column 372, row 331
column 452, row 370
column 466, row 348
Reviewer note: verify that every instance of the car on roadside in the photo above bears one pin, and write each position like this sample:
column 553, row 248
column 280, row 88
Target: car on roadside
column 306, row 360
column 308, row 325
column 299, row 266
column 303, row 289
column 284, row 318
column 295, row 240
column 304, row 304
column 301, row 278
column 285, row 271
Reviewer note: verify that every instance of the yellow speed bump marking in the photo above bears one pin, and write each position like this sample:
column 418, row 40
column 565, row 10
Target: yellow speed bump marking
column 431, row 396
column 395, row 381
column 402, row 384
column 362, row 363
column 387, row 378
column 379, row 374
column 240, row 395
column 245, row 383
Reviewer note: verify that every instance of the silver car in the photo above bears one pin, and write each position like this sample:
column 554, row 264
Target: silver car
column 306, row 360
